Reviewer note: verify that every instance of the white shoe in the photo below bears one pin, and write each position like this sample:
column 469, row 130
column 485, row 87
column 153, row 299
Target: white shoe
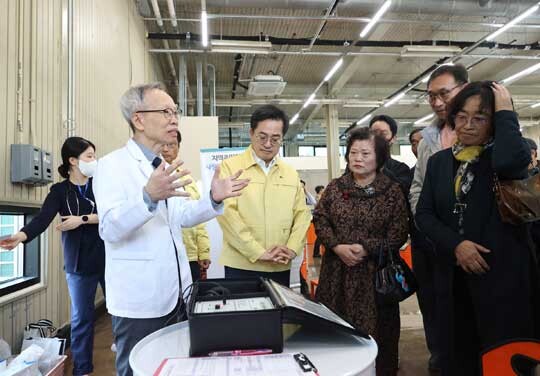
column 113, row 347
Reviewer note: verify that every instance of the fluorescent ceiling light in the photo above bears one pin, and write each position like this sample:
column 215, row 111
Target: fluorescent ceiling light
column 294, row 118
column 333, row 70
column 413, row 50
column 535, row 105
column 376, row 18
column 363, row 104
column 241, row 46
column 523, row 73
column 204, row 27
column 516, row 20
column 394, row 99
column 424, row 119
column 309, row 100
column 364, row 119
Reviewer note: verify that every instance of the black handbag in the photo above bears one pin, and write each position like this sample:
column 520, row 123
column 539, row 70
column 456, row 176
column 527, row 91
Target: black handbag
column 394, row 280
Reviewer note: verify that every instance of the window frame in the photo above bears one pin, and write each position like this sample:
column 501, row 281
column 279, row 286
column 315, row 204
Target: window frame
column 32, row 260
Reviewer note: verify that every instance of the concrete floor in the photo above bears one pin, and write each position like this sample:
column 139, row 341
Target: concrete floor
column 413, row 352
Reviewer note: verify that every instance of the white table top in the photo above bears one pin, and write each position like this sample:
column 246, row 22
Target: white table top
column 334, row 354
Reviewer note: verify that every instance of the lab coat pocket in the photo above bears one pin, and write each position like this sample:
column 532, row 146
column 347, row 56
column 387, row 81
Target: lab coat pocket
column 142, row 252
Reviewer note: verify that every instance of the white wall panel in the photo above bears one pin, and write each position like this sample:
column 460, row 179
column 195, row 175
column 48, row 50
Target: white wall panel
column 110, row 55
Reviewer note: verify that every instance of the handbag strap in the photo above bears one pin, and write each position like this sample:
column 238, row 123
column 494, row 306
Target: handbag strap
column 391, row 255
column 381, row 256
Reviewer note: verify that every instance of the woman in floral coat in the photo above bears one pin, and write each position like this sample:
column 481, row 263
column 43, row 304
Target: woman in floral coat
column 358, row 213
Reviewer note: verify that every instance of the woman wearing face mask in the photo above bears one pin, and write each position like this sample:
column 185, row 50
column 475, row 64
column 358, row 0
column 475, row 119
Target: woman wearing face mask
column 84, row 252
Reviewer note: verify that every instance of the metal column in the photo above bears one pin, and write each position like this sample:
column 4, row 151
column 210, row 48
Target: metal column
column 200, row 94
column 182, row 85
column 332, row 140
column 211, row 74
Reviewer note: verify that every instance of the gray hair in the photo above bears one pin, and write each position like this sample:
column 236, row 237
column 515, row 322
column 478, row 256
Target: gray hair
column 133, row 99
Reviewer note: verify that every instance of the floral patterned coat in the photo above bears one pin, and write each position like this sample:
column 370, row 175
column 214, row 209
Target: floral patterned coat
column 348, row 214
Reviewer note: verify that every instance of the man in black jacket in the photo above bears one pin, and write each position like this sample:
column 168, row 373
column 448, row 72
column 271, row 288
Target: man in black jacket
column 386, row 127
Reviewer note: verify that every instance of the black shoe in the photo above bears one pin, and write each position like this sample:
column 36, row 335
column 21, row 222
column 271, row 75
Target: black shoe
column 433, row 363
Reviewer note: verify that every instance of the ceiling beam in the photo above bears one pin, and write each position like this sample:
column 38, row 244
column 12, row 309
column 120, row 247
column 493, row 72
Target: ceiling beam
column 351, row 66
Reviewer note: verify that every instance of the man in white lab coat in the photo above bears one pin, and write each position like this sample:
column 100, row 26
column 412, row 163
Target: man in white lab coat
column 140, row 209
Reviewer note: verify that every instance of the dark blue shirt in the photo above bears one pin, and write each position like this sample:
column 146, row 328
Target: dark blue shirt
column 84, row 251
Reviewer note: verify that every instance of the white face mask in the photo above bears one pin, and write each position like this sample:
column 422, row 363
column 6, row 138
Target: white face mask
column 88, row 169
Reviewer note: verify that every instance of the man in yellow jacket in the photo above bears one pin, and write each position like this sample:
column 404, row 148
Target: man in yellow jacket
column 195, row 238
column 265, row 227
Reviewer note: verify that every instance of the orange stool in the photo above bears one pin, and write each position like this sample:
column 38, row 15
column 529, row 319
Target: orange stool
column 406, row 255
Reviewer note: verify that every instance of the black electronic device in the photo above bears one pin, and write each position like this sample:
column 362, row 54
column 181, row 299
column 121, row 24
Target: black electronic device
column 245, row 314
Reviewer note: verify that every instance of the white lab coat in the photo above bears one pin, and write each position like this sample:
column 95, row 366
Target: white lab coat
column 141, row 276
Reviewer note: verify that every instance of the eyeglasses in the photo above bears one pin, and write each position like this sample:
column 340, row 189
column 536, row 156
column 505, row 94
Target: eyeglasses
column 477, row 121
column 167, row 112
column 263, row 139
column 443, row 94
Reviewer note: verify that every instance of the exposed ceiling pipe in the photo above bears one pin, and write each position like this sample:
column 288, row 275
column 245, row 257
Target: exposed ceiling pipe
column 170, row 60
column 237, row 64
column 159, row 21
column 365, row 53
column 345, row 19
column 331, row 8
column 454, row 7
column 172, row 13
column 360, row 43
column 157, row 13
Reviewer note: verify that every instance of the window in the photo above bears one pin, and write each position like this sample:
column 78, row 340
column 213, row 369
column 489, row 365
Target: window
column 306, row 151
column 19, row 267
column 320, row 151
column 11, row 262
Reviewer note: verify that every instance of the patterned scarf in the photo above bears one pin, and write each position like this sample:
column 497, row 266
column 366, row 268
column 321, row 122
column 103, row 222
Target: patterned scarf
column 467, row 156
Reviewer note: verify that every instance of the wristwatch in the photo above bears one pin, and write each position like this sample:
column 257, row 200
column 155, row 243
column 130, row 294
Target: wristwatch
column 84, row 218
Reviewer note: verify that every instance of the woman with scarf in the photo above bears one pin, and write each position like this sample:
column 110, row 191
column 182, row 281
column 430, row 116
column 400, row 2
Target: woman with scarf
column 360, row 213
column 84, row 251
column 484, row 274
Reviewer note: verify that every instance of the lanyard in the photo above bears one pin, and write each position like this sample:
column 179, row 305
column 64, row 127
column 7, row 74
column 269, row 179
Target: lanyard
column 83, row 193
column 92, row 203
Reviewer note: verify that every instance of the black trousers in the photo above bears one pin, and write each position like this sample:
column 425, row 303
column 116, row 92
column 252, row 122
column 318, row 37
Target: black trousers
column 423, row 258
column 195, row 270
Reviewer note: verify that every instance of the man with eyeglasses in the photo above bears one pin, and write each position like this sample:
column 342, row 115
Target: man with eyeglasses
column 265, row 227
column 443, row 85
column 141, row 209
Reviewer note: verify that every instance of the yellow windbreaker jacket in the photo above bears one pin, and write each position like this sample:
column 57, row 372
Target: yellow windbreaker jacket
column 195, row 238
column 271, row 211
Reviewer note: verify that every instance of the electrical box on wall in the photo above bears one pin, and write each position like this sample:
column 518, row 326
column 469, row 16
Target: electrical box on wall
column 30, row 165
column 46, row 167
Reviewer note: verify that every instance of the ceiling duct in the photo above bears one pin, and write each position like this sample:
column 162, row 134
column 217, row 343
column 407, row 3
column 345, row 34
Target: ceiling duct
column 266, row 86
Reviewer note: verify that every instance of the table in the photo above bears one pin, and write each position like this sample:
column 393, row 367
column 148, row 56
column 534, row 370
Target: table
column 333, row 353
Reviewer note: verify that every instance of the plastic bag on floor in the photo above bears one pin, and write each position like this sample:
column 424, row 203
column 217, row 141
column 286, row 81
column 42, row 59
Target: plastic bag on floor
column 5, row 354
column 22, row 369
column 52, row 347
column 25, row 364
